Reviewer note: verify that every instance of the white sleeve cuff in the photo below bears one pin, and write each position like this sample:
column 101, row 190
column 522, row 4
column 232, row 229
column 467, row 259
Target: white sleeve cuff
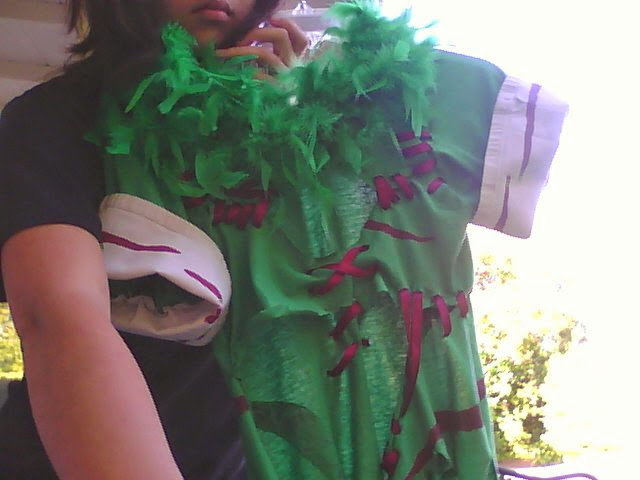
column 524, row 136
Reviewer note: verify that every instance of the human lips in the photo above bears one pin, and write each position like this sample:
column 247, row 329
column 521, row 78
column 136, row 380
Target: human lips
column 214, row 10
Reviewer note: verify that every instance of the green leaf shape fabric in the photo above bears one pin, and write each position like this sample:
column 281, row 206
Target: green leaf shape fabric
column 301, row 428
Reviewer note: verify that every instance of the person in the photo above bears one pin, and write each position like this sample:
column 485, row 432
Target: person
column 333, row 199
column 96, row 395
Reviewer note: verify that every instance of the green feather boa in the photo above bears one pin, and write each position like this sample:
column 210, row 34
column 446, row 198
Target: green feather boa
column 212, row 118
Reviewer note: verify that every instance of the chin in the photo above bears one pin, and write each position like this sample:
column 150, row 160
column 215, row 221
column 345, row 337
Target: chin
column 207, row 38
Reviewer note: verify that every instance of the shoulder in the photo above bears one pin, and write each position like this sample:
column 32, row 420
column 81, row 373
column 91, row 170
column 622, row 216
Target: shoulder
column 462, row 104
column 63, row 102
column 42, row 142
column 46, row 125
column 451, row 59
column 469, row 79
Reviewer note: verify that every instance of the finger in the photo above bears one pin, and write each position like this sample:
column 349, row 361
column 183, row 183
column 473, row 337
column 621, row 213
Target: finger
column 265, row 57
column 278, row 37
column 265, row 76
column 299, row 39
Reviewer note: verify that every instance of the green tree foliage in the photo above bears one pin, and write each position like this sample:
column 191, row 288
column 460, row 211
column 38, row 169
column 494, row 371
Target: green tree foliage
column 516, row 346
column 10, row 354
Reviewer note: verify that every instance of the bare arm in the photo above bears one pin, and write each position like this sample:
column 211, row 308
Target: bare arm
column 91, row 405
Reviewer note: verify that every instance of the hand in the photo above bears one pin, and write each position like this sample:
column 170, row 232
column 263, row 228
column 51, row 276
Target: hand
column 288, row 43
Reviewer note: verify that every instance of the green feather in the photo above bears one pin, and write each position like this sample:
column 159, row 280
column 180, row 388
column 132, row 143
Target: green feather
column 202, row 113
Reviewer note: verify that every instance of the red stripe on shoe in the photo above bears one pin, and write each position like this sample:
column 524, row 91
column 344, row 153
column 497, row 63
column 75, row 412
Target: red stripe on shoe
column 204, row 282
column 136, row 247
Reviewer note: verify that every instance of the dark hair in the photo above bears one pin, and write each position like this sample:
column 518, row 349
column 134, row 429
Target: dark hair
column 120, row 39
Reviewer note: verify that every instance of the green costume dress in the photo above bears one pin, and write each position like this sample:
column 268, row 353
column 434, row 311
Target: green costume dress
column 349, row 341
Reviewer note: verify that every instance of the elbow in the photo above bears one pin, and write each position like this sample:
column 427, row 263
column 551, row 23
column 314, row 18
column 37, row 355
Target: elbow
column 67, row 314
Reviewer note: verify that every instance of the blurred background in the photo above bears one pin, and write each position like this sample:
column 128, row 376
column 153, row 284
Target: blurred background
column 557, row 314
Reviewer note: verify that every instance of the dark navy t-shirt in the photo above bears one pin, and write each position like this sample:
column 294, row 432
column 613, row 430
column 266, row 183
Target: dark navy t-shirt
column 49, row 175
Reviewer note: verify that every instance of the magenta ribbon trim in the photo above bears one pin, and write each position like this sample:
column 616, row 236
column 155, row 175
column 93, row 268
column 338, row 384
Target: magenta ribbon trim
column 395, row 232
column 347, row 357
column 443, row 311
column 425, row 454
column 411, row 305
column 137, row 247
column 435, row 185
column 204, row 282
column 349, row 315
column 416, row 150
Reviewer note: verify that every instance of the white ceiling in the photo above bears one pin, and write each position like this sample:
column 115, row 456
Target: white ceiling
column 33, row 41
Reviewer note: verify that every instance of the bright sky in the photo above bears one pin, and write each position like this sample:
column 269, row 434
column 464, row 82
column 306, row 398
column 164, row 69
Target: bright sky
column 587, row 221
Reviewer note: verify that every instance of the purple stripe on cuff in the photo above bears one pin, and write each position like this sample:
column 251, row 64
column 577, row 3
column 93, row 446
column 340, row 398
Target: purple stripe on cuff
column 531, row 121
column 204, row 282
column 505, row 207
column 131, row 245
